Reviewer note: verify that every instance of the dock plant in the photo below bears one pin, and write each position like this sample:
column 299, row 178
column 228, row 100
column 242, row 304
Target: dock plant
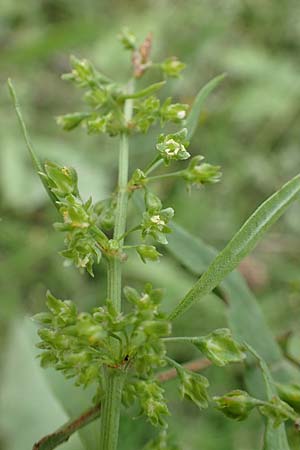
column 125, row 351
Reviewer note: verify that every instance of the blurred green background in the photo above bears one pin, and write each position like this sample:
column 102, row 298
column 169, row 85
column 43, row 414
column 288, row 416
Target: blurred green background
column 250, row 127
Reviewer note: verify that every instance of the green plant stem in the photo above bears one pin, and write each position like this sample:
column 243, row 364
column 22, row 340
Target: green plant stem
column 157, row 161
column 114, row 378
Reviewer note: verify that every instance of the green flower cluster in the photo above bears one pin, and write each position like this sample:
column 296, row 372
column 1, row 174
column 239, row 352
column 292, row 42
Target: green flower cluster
column 155, row 219
column 84, row 239
column 103, row 97
column 106, row 102
column 150, row 396
column 149, row 111
column 80, row 344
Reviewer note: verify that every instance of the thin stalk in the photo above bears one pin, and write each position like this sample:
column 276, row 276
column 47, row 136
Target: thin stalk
column 181, row 339
column 114, row 378
column 166, row 175
column 157, row 161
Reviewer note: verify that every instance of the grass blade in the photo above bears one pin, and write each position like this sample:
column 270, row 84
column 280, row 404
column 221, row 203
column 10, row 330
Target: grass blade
column 241, row 244
column 35, row 161
column 193, row 117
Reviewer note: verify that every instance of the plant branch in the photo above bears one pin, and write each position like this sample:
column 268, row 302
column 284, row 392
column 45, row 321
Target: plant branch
column 157, row 161
column 61, row 435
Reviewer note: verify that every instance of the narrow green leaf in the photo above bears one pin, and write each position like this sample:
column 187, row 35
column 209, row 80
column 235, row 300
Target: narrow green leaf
column 35, row 161
column 147, row 91
column 193, row 117
column 241, row 244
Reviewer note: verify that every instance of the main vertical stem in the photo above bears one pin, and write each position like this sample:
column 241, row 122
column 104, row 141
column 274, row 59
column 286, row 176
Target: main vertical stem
column 110, row 410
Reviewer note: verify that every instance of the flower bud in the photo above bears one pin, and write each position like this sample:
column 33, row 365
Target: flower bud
column 153, row 203
column 198, row 174
column 148, row 252
column 172, row 67
column 128, row 39
column 290, row 393
column 131, row 295
column 156, row 327
column 194, row 387
column 70, row 121
column 175, row 112
column 220, row 347
column 236, row 404
column 61, row 180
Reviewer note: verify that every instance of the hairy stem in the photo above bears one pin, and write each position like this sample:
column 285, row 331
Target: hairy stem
column 110, row 416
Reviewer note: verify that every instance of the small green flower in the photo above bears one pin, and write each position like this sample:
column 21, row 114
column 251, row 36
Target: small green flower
column 173, row 146
column 128, row 39
column 152, row 202
column 198, row 173
column 175, row 112
column 146, row 113
column 70, row 121
column 148, row 253
column 236, row 404
column 194, row 387
column 172, row 67
column 220, row 347
column 154, row 224
column 138, row 180
column 152, row 402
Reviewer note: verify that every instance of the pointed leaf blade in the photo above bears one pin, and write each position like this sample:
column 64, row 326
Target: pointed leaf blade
column 241, row 244
column 193, row 117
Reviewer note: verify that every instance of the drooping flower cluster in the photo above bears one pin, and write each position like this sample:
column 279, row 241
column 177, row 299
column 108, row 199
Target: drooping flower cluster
column 83, row 238
column 80, row 344
column 106, row 98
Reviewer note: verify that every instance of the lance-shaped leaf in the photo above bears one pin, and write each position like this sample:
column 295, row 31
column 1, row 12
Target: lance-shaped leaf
column 241, row 244
column 35, row 161
column 193, row 117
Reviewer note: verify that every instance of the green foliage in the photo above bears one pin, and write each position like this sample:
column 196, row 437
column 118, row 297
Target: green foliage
column 79, row 344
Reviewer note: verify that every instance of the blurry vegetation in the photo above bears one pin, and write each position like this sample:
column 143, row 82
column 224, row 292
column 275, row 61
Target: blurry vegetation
column 250, row 127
